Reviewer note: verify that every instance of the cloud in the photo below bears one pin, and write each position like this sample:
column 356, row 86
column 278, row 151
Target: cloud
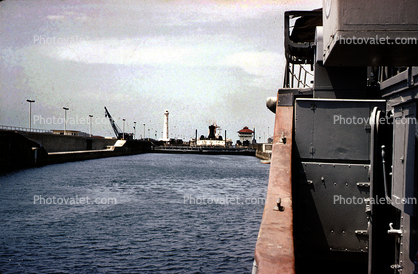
column 256, row 63
column 56, row 17
column 191, row 51
column 147, row 52
column 123, row 52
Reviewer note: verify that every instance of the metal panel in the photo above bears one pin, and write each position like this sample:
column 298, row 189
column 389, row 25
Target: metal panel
column 403, row 179
column 334, row 129
column 366, row 33
column 330, row 206
column 303, row 129
column 285, row 99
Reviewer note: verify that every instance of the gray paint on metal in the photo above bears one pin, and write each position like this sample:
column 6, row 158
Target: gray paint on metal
column 334, row 129
column 322, row 222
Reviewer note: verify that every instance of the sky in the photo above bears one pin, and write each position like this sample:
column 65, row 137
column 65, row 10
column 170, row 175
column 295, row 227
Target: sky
column 204, row 61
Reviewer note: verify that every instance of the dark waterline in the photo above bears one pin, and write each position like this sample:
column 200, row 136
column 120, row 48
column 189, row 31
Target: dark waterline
column 158, row 224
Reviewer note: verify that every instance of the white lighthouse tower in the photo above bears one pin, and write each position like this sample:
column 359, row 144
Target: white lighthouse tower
column 165, row 129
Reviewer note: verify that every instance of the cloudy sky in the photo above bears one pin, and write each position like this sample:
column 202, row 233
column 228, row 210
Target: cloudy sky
column 205, row 61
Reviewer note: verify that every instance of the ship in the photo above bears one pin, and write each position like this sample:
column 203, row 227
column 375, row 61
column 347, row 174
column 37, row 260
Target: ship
column 343, row 183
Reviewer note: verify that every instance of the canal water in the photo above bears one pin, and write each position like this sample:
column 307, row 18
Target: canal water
column 148, row 213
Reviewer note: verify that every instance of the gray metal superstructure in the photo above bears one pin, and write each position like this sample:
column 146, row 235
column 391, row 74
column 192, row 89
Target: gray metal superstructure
column 351, row 91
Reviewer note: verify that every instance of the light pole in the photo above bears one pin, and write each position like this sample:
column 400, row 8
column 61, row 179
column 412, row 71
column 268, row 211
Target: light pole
column 30, row 113
column 144, row 132
column 134, row 130
column 91, row 116
column 148, row 135
column 65, row 119
column 123, row 130
column 268, row 134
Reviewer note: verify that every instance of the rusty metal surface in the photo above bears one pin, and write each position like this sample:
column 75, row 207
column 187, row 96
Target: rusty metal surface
column 274, row 252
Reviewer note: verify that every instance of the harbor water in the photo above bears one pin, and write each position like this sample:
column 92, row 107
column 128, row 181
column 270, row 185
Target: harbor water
column 147, row 213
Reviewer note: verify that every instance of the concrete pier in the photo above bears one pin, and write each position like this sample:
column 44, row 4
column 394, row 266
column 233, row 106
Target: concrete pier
column 58, row 143
column 29, row 149
column 204, row 150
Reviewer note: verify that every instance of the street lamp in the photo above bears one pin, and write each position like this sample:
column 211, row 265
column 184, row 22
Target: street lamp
column 268, row 134
column 65, row 119
column 30, row 113
column 148, row 135
column 123, row 130
column 91, row 116
column 144, row 132
column 134, row 130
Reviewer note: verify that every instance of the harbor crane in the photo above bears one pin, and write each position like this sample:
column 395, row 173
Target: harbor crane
column 119, row 133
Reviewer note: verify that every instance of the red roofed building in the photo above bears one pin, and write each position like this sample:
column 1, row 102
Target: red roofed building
column 245, row 134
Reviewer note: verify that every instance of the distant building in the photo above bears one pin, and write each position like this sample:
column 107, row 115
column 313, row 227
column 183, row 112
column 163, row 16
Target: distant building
column 70, row 132
column 213, row 139
column 245, row 135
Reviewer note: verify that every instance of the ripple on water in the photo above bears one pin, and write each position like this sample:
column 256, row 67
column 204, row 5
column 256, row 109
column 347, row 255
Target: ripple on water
column 151, row 228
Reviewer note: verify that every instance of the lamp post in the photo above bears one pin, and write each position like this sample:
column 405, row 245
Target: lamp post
column 268, row 134
column 148, row 135
column 65, row 119
column 30, row 113
column 134, row 130
column 144, row 132
column 91, row 116
column 123, row 130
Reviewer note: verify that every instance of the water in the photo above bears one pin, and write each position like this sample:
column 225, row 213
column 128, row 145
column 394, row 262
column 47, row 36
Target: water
column 154, row 213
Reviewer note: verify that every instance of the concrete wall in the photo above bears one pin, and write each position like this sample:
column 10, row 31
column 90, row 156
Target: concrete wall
column 22, row 149
column 63, row 157
column 59, row 143
column 125, row 148
column 262, row 152
column 16, row 151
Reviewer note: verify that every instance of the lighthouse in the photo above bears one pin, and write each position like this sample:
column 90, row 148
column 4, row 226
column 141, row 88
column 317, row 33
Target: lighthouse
column 165, row 129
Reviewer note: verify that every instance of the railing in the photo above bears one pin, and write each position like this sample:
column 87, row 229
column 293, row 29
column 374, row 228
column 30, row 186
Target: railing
column 384, row 73
column 25, row 129
column 300, row 53
column 297, row 76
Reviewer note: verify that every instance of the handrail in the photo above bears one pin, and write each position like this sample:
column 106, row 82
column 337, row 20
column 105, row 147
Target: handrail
column 291, row 77
column 12, row 128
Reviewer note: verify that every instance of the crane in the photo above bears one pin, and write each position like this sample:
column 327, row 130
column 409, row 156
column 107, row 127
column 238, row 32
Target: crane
column 116, row 129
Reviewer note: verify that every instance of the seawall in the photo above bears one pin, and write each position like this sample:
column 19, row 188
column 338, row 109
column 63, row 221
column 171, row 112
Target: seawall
column 20, row 149
column 57, row 143
column 263, row 151
column 17, row 151
column 204, row 150
column 24, row 149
